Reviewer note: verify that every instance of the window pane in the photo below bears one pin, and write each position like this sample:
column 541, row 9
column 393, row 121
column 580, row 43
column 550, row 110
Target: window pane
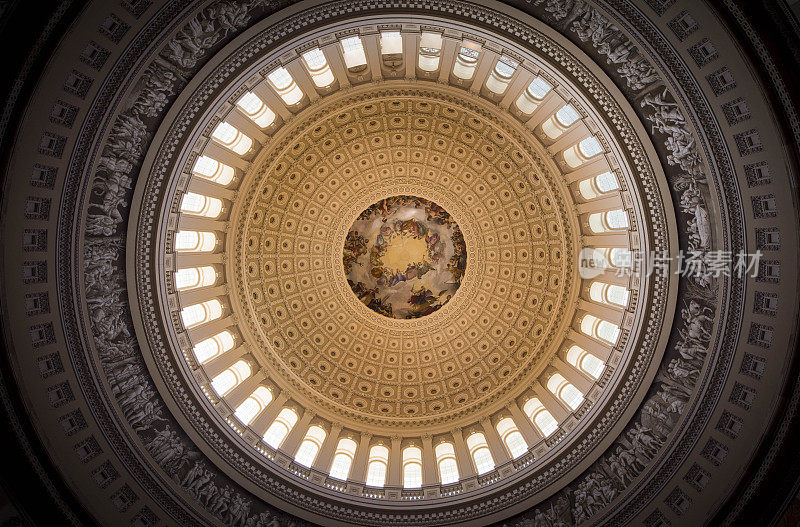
column 250, row 103
column 546, row 422
column 572, row 396
column 505, row 69
column 448, row 471
column 620, row 257
column 608, row 331
column 607, row 181
column 596, row 222
column 567, row 115
column 200, row 205
column 198, row 314
column 225, row 133
column 555, row 382
column 590, row 147
column 247, row 410
column 353, row 51
column 340, row 468
column 213, row 170
column 276, row 434
column 586, row 189
column 412, row 475
column 592, row 365
column 516, row 444
column 483, row 460
column 281, row 78
column 224, row 382
column 187, row 278
column 256, row 110
column 307, row 452
column 617, row 219
column 209, row 348
column 391, row 43
column 376, row 474
column 539, row 88
column 315, row 59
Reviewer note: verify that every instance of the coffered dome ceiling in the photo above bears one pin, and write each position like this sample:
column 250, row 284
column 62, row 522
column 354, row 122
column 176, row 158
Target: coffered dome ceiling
column 342, row 263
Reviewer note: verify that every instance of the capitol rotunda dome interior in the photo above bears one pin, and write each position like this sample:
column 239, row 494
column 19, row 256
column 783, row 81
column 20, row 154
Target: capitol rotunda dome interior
column 421, row 263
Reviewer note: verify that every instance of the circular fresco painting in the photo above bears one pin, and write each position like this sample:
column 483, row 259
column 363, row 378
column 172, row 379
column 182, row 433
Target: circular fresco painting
column 404, row 257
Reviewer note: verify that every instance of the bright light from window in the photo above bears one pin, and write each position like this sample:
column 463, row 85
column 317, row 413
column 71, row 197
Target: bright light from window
column 446, row 461
column 481, row 455
column 376, row 466
column 253, row 405
column 280, row 428
column 391, row 43
column 343, row 458
column 412, row 467
column 195, row 277
column 198, row 314
column 213, row 170
column 207, row 349
column 231, row 378
column 254, row 108
column 194, row 241
column 230, row 137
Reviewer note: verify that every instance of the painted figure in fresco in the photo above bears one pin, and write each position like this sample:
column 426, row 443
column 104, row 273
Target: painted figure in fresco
column 401, row 249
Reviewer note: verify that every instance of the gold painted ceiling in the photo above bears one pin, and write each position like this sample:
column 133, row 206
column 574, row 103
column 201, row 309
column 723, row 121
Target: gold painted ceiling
column 291, row 223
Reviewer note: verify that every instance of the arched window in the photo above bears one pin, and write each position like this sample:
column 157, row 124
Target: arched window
column 610, row 294
column 377, row 465
column 610, row 220
column 198, row 314
column 253, row 405
column 430, row 51
column 343, row 458
column 533, row 95
column 446, row 462
column 253, row 107
column 467, row 60
column 318, row 68
column 285, row 86
column 195, row 242
column 480, row 453
column 213, row 170
column 310, row 446
column 612, row 257
column 230, row 137
column 540, row 416
column 620, row 257
column 391, row 43
column 412, row 467
column 511, row 437
column 353, row 53
column 585, row 150
column 590, row 147
column 585, row 361
column 557, row 124
column 501, row 74
column 280, row 428
column 567, row 115
column 600, row 329
column 231, row 378
column 565, row 391
column 195, row 277
column 200, row 205
column 207, row 349
column 598, row 185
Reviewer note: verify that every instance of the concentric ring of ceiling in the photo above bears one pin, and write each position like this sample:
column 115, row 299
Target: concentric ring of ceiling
column 516, row 297
column 483, row 205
